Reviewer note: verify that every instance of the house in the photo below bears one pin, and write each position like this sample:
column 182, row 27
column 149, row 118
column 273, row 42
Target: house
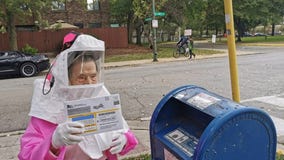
column 88, row 14
column 80, row 13
column 84, row 16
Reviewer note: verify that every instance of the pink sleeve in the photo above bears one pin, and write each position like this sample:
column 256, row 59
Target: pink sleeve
column 130, row 144
column 35, row 142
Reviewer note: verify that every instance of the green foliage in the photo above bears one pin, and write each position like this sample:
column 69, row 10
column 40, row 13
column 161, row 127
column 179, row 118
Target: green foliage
column 2, row 29
column 58, row 26
column 141, row 157
column 121, row 11
column 279, row 156
column 200, row 16
column 28, row 49
column 175, row 13
column 12, row 11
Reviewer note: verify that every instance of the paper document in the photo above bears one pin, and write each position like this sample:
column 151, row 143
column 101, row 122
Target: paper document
column 100, row 114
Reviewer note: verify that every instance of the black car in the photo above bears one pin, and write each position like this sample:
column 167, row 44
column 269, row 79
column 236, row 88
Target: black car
column 23, row 64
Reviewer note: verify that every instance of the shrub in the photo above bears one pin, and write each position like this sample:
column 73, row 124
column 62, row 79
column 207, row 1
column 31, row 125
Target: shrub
column 28, row 49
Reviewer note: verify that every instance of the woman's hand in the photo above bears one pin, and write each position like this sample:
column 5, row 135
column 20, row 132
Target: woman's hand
column 67, row 133
column 118, row 142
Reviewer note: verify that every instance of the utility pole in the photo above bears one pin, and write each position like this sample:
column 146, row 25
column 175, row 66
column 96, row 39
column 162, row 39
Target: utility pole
column 154, row 34
column 229, row 19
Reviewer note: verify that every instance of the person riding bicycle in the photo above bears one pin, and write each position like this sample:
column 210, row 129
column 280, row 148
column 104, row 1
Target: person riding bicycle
column 183, row 41
column 181, row 47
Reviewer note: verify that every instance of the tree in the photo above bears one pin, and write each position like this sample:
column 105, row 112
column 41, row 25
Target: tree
column 248, row 12
column 175, row 17
column 215, row 16
column 127, row 12
column 122, row 13
column 142, row 10
column 13, row 11
column 276, row 12
column 199, row 15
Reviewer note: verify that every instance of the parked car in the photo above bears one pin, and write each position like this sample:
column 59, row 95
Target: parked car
column 260, row 34
column 247, row 34
column 23, row 64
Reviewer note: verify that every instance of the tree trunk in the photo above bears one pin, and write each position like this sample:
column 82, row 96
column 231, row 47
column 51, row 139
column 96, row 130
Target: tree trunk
column 129, row 31
column 139, row 31
column 11, row 29
column 129, row 27
column 200, row 32
column 138, row 36
column 207, row 31
column 273, row 29
column 216, row 30
column 239, row 29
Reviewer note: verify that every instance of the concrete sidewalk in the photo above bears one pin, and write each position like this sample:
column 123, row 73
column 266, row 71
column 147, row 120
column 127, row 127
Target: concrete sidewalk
column 9, row 142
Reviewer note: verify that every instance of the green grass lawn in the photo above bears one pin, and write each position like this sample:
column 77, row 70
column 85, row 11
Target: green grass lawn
column 256, row 39
column 165, row 49
column 141, row 157
column 280, row 157
column 263, row 39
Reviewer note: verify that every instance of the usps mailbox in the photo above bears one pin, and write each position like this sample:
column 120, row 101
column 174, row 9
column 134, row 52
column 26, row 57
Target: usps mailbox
column 191, row 123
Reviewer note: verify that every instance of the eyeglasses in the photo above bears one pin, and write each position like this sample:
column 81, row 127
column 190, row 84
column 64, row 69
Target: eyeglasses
column 85, row 79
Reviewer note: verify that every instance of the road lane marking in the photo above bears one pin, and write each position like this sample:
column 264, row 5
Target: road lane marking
column 256, row 98
column 277, row 101
column 274, row 100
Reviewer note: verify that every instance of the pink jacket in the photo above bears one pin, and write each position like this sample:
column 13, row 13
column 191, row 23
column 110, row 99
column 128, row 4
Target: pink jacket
column 36, row 141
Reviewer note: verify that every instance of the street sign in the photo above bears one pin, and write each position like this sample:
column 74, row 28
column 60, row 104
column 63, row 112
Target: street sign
column 188, row 32
column 213, row 38
column 148, row 19
column 161, row 14
column 114, row 25
column 155, row 23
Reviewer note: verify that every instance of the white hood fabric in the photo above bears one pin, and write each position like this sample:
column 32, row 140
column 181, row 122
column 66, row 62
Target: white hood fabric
column 50, row 107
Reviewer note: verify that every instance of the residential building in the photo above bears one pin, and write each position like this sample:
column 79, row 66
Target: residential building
column 88, row 14
column 81, row 13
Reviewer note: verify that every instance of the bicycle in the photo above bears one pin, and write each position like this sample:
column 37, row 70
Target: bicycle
column 180, row 50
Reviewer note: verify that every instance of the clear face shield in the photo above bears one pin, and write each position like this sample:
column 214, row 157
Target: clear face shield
column 85, row 67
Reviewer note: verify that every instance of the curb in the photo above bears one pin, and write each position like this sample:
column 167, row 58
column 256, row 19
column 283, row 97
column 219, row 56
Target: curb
column 135, row 63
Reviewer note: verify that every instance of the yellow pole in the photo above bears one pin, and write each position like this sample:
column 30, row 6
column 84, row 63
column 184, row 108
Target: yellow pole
column 232, row 49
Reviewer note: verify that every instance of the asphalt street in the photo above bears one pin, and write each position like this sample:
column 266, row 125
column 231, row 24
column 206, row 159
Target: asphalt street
column 9, row 141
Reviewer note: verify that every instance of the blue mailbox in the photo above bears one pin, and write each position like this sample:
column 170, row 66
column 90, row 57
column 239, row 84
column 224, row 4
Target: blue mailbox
column 191, row 123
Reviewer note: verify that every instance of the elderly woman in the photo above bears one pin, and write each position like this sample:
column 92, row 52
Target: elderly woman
column 77, row 74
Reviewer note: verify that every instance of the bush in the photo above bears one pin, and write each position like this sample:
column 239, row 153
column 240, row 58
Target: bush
column 29, row 49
